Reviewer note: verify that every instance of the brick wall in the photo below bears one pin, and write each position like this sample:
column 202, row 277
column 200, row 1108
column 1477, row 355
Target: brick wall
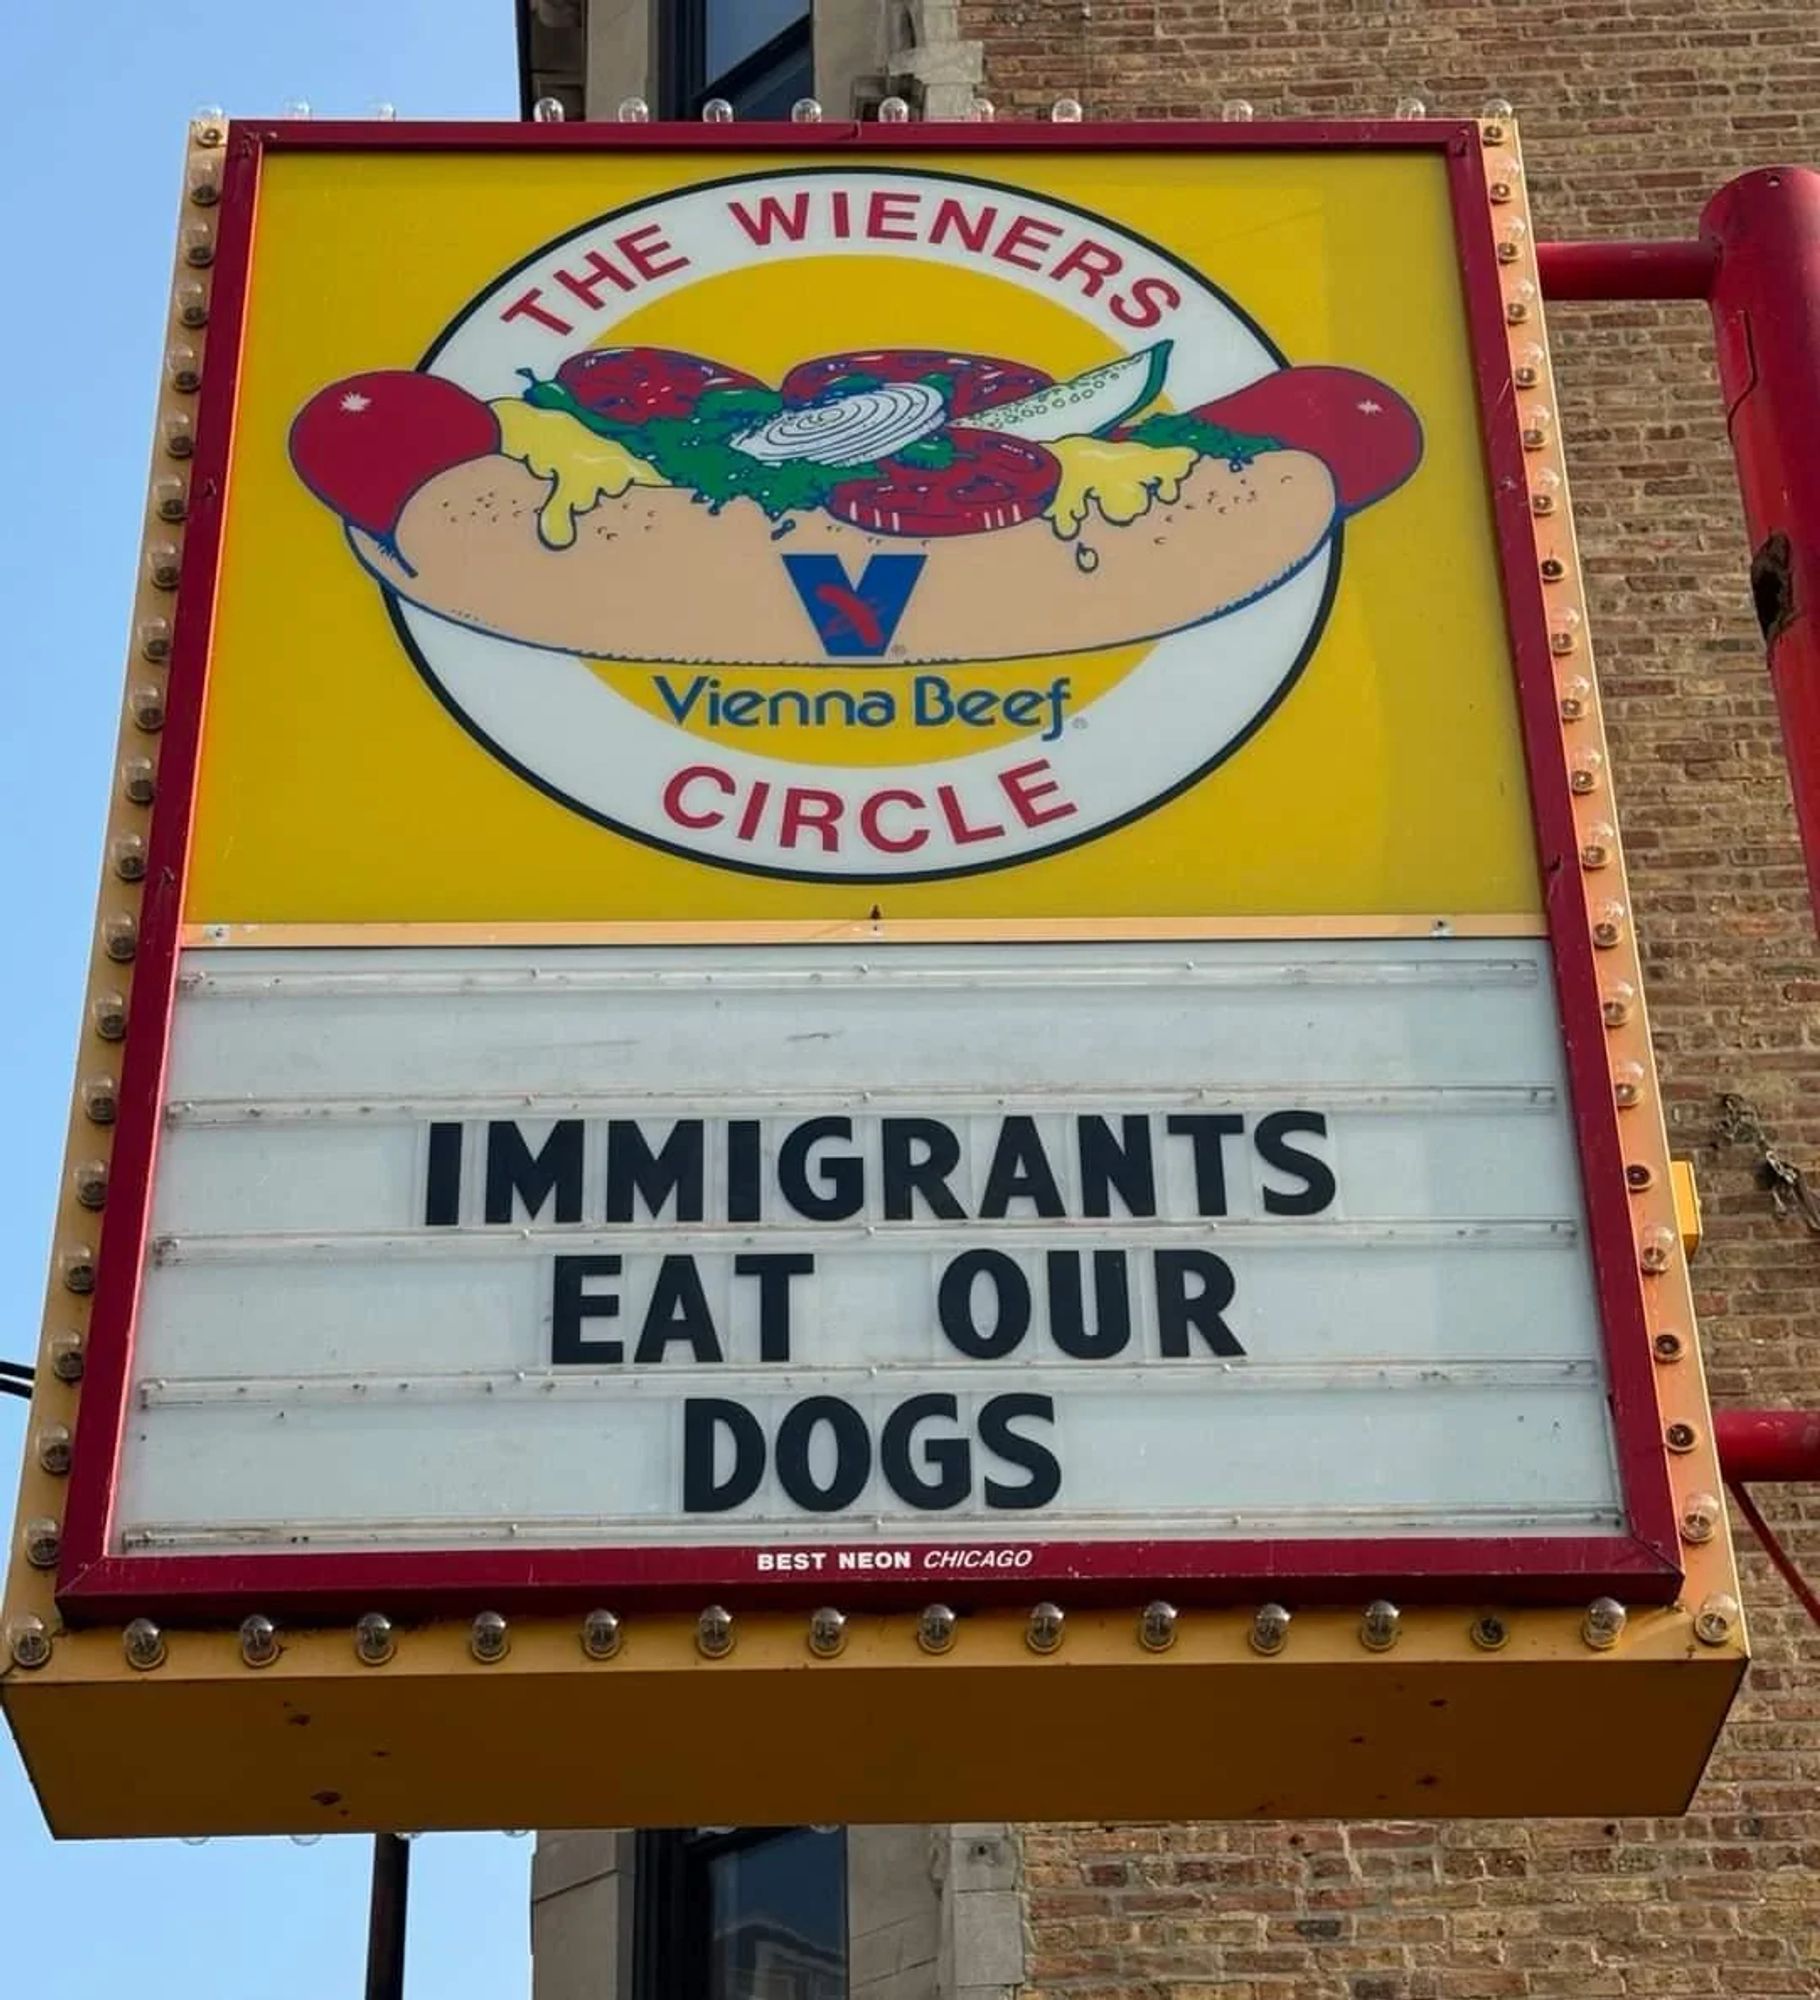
column 1631, row 111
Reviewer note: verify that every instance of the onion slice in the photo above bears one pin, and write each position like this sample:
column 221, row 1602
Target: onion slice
column 848, row 430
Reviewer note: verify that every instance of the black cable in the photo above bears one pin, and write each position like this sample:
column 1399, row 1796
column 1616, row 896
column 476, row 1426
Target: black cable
column 8, row 1387
column 23, row 1370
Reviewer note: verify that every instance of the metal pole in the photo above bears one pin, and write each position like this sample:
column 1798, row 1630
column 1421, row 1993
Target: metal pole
column 386, row 1917
column 1765, row 228
column 1626, row 270
column 1772, row 1445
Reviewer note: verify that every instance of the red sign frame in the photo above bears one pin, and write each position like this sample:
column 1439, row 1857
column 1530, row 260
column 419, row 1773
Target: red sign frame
column 1642, row 1565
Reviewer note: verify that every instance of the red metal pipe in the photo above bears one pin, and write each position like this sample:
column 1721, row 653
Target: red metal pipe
column 1627, row 270
column 1765, row 229
column 1775, row 1445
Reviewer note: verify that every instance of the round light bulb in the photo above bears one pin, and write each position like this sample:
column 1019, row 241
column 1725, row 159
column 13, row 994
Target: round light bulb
column 382, row 113
column 1545, row 491
column 1604, row 1623
column 1700, row 1517
column 42, row 1541
column 1043, row 1632
column 717, row 111
column 1498, row 109
column 88, row 1182
column 55, row 1449
column 1380, row 1626
column 1717, row 1619
column 600, row 1635
column 1627, row 1083
column 1656, row 1248
column 258, row 1640
column 171, row 498
column 199, row 244
column 982, row 111
column 120, row 936
column 633, row 111
column 894, row 111
column 1066, row 111
column 1608, row 922
column 827, row 1632
column 805, row 111
column 28, row 1641
column 1157, row 1624
column 547, row 111
column 714, row 1635
column 1269, row 1629
column 66, row 1354
column 1585, row 768
column 143, row 1645
column 204, row 180
column 1598, row 842
column 1575, row 698
column 139, row 780
column 1617, row 1002
column 1237, row 111
column 374, row 1641
column 179, row 433
column 935, row 1628
column 489, row 1638
column 100, row 1099
column 183, row 367
column 1412, row 107
column 294, row 107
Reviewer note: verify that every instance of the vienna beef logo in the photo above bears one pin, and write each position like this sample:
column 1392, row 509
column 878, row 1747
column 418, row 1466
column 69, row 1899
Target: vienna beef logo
column 905, row 559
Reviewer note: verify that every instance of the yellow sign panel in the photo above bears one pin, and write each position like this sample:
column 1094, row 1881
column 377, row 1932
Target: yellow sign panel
column 659, row 538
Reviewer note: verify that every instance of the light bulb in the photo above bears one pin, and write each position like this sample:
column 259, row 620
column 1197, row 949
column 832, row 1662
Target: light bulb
column 204, row 179
column 600, row 1635
column 894, row 111
column 1585, row 768
column 827, row 1632
column 42, row 1542
column 1511, row 240
column 1717, row 1619
column 294, row 107
column 183, row 365
column 1700, row 1514
column 1604, row 1623
column 489, row 1638
column 1270, row 1629
column 982, row 111
column 1157, row 1624
column 1411, row 107
column 633, row 111
column 935, row 1628
column 1608, row 920
column 143, row 1645
column 1043, row 1631
column 1066, row 111
column 1575, row 698
column 1236, row 111
column 1527, row 363
column 1498, row 109
column 717, row 111
column 547, row 111
column 714, row 1636
column 28, row 1641
column 374, row 1642
column 1545, row 491
column 805, row 111
column 192, row 300
column 1563, row 629
column 1617, row 1002
column 1597, row 842
column 258, row 1641
column 1656, row 1248
column 199, row 244
column 1627, row 1083
column 1379, row 1628
column 382, row 113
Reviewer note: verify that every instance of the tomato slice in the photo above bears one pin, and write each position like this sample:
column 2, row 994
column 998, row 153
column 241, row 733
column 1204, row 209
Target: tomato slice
column 990, row 482
column 630, row 385
column 980, row 380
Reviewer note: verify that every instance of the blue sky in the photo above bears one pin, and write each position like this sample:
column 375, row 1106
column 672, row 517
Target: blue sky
column 94, row 101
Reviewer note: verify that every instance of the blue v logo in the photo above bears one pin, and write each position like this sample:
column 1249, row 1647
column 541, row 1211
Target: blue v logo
column 854, row 620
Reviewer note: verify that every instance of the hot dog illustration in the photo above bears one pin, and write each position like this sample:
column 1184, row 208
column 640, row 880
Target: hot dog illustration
column 903, row 505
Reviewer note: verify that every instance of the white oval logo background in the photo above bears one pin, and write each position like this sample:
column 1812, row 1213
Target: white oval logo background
column 1188, row 704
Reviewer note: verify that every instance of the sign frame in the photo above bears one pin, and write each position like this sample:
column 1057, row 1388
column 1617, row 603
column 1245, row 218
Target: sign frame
column 1643, row 1565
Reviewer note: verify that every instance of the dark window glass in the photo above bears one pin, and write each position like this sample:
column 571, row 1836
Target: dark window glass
column 742, row 1913
column 754, row 53
column 738, row 28
column 778, row 1919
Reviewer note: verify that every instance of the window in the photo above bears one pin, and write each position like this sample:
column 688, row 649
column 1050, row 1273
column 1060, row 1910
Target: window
column 741, row 1913
column 755, row 53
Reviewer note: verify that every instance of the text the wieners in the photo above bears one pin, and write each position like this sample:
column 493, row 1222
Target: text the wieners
column 596, row 275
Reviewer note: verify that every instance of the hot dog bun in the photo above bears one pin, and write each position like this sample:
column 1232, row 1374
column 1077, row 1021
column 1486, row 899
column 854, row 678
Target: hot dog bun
column 655, row 576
